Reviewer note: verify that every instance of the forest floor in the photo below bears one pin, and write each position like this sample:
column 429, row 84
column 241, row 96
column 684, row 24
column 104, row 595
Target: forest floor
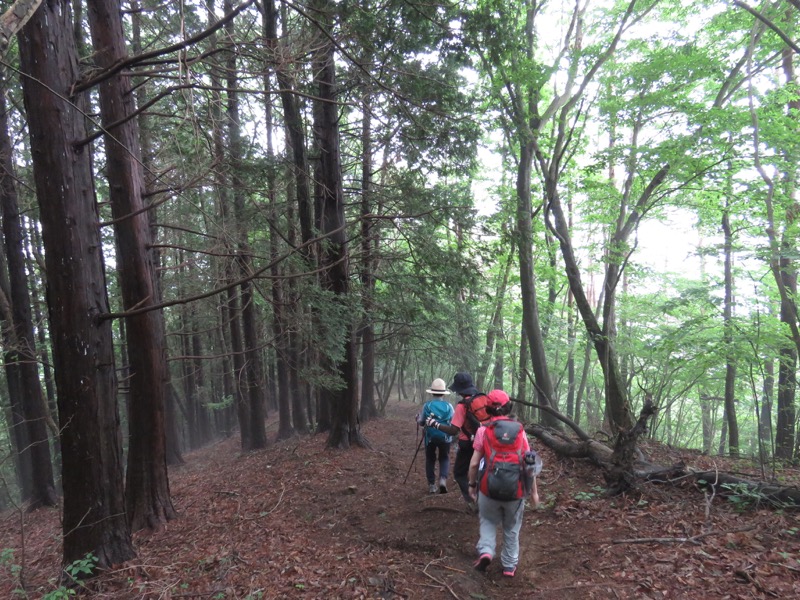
column 297, row 520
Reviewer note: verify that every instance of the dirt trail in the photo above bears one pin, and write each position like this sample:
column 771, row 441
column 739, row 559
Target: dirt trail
column 298, row 520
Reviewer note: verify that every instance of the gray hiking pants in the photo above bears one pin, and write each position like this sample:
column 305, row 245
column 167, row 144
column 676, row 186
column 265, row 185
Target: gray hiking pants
column 498, row 512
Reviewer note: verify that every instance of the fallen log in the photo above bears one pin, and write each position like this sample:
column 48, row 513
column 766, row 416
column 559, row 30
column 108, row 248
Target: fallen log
column 624, row 466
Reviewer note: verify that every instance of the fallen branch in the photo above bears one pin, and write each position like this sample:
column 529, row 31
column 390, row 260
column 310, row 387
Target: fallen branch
column 441, row 583
column 680, row 540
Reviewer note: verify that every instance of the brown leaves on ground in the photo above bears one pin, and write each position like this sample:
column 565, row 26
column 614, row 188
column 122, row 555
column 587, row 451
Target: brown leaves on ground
column 298, row 520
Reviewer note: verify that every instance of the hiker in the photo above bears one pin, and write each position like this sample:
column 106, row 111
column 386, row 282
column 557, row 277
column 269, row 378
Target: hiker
column 500, row 488
column 469, row 413
column 436, row 412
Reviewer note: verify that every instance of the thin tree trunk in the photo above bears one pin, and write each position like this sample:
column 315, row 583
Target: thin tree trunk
column 42, row 324
column 787, row 374
column 522, row 380
column 38, row 485
column 237, row 350
column 730, row 361
column 369, row 241
column 495, row 329
column 572, row 413
column 279, row 325
column 253, row 374
column 530, row 309
column 189, row 383
column 708, row 422
column 765, row 414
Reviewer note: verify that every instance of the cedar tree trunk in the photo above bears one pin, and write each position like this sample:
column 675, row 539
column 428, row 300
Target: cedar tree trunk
column 94, row 519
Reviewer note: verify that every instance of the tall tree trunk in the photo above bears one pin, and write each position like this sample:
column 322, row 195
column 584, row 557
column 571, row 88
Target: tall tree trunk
column 522, row 379
column 787, row 370
column 617, row 404
column 226, row 367
column 299, row 192
column 369, row 241
column 31, row 265
column 172, row 448
column 237, row 351
column 279, row 325
column 94, row 520
column 765, row 414
column 708, row 423
column 38, row 485
column 253, row 375
column 499, row 360
column 787, row 374
column 343, row 399
column 147, row 498
column 188, row 379
column 781, row 250
column 530, row 309
column 571, row 347
column 232, row 308
column 730, row 361
column 495, row 329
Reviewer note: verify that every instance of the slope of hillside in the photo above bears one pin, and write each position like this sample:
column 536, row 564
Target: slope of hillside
column 300, row 521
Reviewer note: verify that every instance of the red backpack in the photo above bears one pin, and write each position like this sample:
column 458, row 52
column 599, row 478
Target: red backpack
column 503, row 450
column 476, row 413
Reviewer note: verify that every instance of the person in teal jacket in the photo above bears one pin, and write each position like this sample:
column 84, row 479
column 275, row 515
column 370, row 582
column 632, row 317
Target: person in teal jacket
column 435, row 412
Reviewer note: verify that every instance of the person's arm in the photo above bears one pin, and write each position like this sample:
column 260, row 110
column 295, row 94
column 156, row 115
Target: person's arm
column 472, row 473
column 448, row 429
column 453, row 428
column 534, row 488
column 535, row 494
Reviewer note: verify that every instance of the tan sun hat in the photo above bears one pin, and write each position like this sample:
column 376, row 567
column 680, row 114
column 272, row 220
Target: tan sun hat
column 438, row 388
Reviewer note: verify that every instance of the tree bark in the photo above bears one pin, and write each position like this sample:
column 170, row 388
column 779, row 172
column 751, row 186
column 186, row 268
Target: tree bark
column 730, row 360
column 253, row 374
column 38, row 485
column 343, row 399
column 172, row 448
column 369, row 244
column 148, row 501
column 279, row 307
column 765, row 412
column 494, row 332
column 94, row 519
column 530, row 306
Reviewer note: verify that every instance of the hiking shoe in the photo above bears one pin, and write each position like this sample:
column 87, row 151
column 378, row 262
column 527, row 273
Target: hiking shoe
column 509, row 571
column 442, row 486
column 432, row 488
column 482, row 563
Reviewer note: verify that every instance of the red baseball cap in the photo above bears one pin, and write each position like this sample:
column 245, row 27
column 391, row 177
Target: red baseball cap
column 498, row 398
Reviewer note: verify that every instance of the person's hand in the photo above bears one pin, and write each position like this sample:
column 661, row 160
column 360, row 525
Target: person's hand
column 473, row 493
column 431, row 422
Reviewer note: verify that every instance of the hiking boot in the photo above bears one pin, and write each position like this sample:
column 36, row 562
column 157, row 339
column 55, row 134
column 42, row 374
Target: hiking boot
column 432, row 488
column 509, row 571
column 483, row 562
column 442, row 486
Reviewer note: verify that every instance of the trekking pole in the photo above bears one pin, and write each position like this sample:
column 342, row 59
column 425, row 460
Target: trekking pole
column 422, row 439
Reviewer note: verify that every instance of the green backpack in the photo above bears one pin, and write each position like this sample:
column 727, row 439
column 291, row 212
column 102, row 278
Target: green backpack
column 442, row 411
